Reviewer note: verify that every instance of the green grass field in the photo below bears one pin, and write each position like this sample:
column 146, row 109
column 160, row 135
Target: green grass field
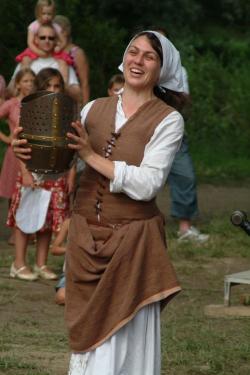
column 33, row 338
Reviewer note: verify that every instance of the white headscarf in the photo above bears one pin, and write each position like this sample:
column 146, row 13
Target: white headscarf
column 171, row 70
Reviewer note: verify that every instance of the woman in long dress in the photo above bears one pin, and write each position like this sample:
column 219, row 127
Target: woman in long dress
column 118, row 273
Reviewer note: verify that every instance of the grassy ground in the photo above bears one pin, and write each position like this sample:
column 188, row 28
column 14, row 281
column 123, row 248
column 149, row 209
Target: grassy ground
column 33, row 338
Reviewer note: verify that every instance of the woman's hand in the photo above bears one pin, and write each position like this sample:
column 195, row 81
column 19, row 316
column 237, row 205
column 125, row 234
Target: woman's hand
column 81, row 141
column 18, row 145
column 86, row 152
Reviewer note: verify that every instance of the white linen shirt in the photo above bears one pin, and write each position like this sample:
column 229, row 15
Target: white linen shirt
column 144, row 182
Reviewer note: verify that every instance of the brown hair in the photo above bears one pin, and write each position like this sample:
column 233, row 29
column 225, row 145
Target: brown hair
column 154, row 42
column 45, row 75
column 116, row 78
column 12, row 90
column 64, row 22
column 21, row 73
column 44, row 3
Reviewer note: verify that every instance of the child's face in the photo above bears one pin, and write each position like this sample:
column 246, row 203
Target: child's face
column 115, row 89
column 26, row 84
column 54, row 85
column 46, row 15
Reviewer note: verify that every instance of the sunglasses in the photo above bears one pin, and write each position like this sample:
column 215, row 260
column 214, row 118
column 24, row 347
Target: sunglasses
column 43, row 37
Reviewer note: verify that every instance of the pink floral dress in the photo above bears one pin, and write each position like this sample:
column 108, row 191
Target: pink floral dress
column 58, row 209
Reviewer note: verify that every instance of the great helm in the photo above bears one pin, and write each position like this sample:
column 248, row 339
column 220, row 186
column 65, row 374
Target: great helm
column 46, row 118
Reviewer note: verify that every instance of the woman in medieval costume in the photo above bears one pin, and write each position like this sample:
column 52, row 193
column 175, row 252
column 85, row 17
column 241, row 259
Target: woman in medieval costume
column 118, row 273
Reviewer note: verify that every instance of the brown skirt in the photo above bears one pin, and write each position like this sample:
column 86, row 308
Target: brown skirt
column 111, row 273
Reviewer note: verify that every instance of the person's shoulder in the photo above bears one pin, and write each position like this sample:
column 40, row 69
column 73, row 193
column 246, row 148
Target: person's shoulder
column 175, row 120
column 85, row 110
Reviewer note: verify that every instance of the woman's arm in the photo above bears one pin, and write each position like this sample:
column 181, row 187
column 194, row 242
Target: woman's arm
column 82, row 68
column 144, row 182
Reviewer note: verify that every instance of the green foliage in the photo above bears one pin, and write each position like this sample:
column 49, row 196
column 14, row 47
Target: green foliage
column 214, row 42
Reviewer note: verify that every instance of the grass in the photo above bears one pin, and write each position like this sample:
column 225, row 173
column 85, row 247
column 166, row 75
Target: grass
column 33, row 338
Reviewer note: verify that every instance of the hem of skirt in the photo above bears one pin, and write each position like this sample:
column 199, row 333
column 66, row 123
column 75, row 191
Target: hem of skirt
column 156, row 298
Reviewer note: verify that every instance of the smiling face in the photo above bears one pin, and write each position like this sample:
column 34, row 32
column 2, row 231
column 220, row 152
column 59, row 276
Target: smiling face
column 141, row 64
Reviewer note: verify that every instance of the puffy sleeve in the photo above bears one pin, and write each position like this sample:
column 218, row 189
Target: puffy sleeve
column 144, row 182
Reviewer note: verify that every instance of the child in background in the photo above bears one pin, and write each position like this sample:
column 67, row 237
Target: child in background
column 80, row 61
column 115, row 84
column 10, row 110
column 59, row 248
column 60, row 187
column 45, row 13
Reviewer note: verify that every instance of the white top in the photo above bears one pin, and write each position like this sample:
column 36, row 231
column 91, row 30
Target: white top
column 48, row 62
column 144, row 182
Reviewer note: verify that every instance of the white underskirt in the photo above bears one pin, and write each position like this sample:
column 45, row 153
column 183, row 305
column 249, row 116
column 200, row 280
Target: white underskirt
column 133, row 350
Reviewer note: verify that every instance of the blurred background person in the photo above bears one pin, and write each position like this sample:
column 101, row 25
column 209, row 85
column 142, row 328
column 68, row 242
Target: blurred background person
column 10, row 110
column 80, row 62
column 115, row 84
column 182, row 179
column 60, row 187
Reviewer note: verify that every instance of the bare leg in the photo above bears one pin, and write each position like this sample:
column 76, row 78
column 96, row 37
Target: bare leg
column 21, row 248
column 42, row 247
